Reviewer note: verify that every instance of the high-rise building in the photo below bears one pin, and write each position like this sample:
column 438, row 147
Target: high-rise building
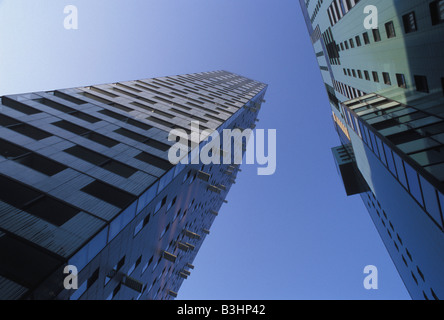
column 386, row 90
column 86, row 184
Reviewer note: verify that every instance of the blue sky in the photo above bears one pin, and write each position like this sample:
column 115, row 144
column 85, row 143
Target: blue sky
column 292, row 235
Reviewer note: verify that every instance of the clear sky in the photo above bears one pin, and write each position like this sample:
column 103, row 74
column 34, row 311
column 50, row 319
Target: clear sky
column 292, row 235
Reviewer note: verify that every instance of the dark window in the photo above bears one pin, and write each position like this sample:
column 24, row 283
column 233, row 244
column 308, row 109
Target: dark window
column 41, row 164
column 110, row 194
column 434, row 294
column 354, row 73
column 154, row 161
column 359, row 74
column 120, row 264
column 142, row 139
column 29, row 131
column 421, row 84
column 101, row 139
column 19, row 106
column 99, row 160
column 376, row 35
column 34, row 202
column 69, row 98
column 346, row 45
column 390, row 29
column 87, row 155
column 86, row 133
column 138, row 261
column 409, row 21
column 366, row 75
column 386, row 78
column 420, row 273
column 358, row 41
column 93, row 278
column 352, row 44
column 51, row 210
column 146, row 220
column 375, row 76
column 437, row 11
column 400, row 78
column 366, row 38
column 29, row 158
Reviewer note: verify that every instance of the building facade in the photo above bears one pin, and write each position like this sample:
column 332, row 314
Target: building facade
column 386, row 91
column 86, row 182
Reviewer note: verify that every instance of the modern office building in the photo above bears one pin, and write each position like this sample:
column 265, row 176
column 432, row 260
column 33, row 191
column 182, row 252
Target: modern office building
column 86, row 181
column 386, row 92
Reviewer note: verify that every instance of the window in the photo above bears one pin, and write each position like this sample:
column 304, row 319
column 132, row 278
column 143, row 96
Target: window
column 160, row 204
column 386, row 78
column 359, row 74
column 366, row 75
column 30, row 159
column 390, row 29
column 348, row 72
column 154, row 161
column 400, row 78
column 354, row 73
column 346, row 45
column 342, row 46
column 19, row 106
column 101, row 161
column 437, row 11
column 376, row 35
column 35, row 202
column 409, row 21
column 421, row 84
column 109, row 194
column 375, row 76
column 358, row 41
column 93, row 278
column 352, row 44
column 366, row 38
column 96, row 137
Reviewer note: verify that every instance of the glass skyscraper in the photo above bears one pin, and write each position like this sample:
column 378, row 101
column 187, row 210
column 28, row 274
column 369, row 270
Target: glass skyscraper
column 85, row 181
column 386, row 91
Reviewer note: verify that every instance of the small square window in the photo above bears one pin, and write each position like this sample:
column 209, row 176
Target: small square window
column 376, row 35
column 366, row 38
column 400, row 78
column 386, row 78
column 375, row 76
column 366, row 75
column 409, row 21
column 421, row 84
column 437, row 11
column 390, row 29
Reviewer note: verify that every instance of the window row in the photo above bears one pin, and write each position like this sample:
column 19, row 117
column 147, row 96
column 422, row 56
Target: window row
column 426, row 195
